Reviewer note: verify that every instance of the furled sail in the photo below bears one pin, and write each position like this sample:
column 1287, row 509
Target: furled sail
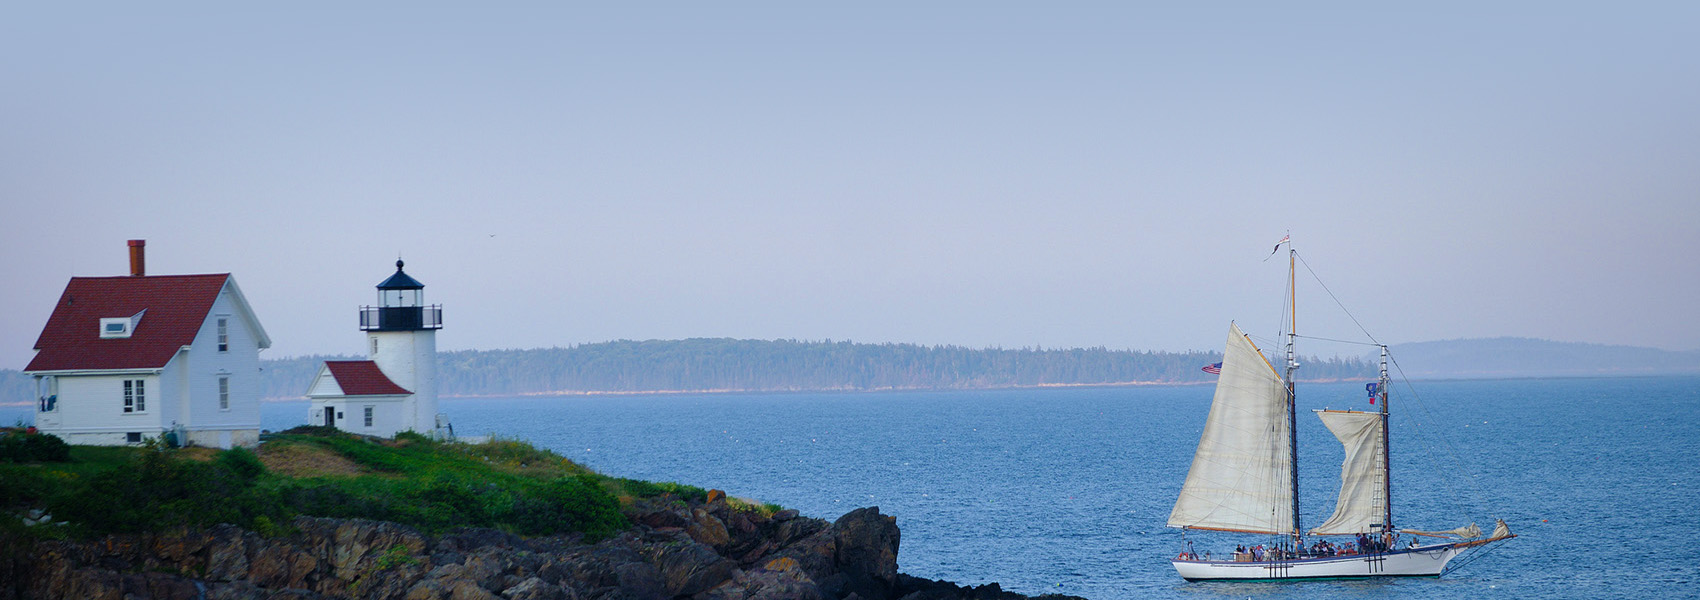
column 1241, row 474
column 1467, row 532
column 1501, row 531
column 1361, row 504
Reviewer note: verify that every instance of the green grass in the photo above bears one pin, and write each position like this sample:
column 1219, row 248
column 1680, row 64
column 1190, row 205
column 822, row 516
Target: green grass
column 429, row 485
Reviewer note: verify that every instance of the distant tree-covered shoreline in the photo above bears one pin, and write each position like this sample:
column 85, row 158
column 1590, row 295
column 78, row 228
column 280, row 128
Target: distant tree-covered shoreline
column 724, row 364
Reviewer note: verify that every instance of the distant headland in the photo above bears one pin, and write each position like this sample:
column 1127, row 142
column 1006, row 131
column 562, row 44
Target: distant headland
column 1508, row 357
column 701, row 365
column 706, row 365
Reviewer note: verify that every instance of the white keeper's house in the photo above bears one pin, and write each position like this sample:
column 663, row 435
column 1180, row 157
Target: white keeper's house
column 123, row 359
column 395, row 390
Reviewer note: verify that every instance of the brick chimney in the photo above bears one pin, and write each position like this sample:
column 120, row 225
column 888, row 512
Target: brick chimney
column 138, row 260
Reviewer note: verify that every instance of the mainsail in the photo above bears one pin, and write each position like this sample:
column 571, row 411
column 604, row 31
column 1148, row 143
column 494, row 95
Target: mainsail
column 1362, row 475
column 1241, row 475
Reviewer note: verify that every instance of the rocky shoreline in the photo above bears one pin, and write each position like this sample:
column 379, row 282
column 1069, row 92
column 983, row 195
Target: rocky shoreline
column 675, row 549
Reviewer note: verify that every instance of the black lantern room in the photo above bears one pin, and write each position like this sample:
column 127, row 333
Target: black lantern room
column 401, row 306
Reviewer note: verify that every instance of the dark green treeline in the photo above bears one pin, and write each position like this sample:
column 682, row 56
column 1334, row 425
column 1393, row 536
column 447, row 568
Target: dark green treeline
column 791, row 365
column 776, row 365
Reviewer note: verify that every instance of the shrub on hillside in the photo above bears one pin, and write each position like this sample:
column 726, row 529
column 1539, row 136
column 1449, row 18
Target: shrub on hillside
column 567, row 504
column 242, row 462
column 650, row 489
column 432, row 486
column 153, row 490
column 33, row 447
column 24, row 486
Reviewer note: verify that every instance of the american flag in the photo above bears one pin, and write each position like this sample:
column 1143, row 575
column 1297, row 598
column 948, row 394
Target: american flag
column 1215, row 369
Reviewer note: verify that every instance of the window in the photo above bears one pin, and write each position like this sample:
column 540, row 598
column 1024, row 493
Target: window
column 115, row 328
column 368, row 416
column 135, row 399
column 119, row 327
column 393, row 298
column 48, row 394
column 134, row 437
column 223, row 334
column 224, row 393
column 374, row 345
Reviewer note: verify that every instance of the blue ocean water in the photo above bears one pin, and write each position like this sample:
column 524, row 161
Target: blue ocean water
column 1067, row 490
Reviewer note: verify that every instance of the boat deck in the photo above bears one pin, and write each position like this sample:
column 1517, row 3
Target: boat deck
column 1420, row 561
column 1307, row 557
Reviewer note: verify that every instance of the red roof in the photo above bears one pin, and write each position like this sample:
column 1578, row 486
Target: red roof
column 363, row 378
column 176, row 307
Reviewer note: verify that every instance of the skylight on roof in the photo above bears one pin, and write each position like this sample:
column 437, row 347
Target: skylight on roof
column 119, row 327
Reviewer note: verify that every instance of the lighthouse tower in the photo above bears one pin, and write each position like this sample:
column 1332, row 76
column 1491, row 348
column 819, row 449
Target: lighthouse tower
column 395, row 390
column 401, row 335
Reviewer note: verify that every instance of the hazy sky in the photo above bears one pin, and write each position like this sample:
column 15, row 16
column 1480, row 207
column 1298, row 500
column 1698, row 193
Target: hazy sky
column 1055, row 174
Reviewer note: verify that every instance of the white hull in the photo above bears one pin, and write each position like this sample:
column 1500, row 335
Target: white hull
column 1423, row 561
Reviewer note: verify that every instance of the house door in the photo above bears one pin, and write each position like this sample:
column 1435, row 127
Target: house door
column 330, row 416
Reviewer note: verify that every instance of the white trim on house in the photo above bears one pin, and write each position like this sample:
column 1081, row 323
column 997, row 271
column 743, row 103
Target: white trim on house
column 76, row 372
column 247, row 313
column 135, row 396
column 117, row 429
column 323, row 384
column 347, row 398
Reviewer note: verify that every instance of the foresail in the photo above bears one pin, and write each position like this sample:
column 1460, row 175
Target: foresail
column 1241, row 474
column 1361, row 504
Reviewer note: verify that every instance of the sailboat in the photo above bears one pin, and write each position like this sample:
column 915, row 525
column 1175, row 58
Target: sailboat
column 1244, row 478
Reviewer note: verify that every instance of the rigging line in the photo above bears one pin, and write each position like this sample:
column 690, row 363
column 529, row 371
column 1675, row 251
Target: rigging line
column 1264, row 342
column 1314, row 358
column 1281, row 333
column 1286, row 306
column 1472, row 555
column 1312, row 337
column 1336, row 299
column 1445, row 443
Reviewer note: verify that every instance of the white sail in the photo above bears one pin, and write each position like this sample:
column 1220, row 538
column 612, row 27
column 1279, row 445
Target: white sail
column 1361, row 504
column 1241, row 476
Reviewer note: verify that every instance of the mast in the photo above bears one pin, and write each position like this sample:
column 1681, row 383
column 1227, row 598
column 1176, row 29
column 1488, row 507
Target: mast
column 1386, row 451
column 1292, row 412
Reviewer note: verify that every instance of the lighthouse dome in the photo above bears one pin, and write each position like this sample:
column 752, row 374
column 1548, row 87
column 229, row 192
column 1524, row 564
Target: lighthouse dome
column 400, row 280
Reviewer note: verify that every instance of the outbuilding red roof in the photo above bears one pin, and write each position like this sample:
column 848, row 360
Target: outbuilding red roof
column 363, row 378
column 176, row 307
